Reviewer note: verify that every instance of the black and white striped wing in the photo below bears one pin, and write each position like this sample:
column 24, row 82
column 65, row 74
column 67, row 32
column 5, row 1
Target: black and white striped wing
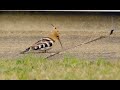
column 43, row 44
column 43, row 40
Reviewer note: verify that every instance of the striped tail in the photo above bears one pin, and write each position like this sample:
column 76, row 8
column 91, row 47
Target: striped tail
column 28, row 49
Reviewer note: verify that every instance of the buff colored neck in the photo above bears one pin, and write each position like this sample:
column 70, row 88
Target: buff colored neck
column 52, row 35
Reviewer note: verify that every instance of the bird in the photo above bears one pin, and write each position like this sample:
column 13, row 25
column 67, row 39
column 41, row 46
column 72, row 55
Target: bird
column 45, row 43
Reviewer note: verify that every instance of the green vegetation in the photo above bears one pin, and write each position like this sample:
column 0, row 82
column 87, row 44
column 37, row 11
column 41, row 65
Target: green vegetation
column 34, row 68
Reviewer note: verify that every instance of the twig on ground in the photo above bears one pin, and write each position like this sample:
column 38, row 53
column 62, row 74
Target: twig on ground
column 60, row 52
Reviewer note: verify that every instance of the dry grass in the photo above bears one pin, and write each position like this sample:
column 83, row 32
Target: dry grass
column 69, row 22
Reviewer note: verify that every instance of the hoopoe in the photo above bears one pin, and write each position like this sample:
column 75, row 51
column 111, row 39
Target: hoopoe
column 45, row 43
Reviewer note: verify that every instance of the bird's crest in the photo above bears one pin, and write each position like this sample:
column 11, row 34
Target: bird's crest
column 55, row 35
column 55, row 31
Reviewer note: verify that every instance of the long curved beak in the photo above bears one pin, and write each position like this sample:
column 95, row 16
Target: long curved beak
column 60, row 42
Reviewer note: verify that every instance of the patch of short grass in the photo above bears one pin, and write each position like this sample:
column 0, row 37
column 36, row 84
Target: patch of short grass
column 36, row 68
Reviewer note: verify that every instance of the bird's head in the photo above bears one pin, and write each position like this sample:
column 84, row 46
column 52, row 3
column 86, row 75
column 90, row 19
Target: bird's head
column 55, row 35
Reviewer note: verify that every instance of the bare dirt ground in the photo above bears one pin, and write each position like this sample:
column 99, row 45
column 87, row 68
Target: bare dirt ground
column 19, row 31
column 107, row 48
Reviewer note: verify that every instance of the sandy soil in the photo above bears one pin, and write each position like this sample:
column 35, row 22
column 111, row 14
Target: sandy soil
column 18, row 31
